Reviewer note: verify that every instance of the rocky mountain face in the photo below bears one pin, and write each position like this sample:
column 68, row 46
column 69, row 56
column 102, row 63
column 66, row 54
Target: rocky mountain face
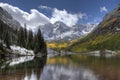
column 60, row 31
column 110, row 23
column 105, row 36
column 8, row 19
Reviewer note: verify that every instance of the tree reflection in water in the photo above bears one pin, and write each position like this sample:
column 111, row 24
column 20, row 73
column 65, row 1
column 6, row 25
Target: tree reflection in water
column 72, row 67
column 17, row 69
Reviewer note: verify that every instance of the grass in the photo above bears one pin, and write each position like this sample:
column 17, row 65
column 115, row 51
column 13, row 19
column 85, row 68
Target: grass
column 108, row 41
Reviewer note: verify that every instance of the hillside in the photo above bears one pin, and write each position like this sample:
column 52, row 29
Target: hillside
column 14, row 37
column 105, row 36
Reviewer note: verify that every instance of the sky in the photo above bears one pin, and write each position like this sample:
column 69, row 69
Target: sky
column 70, row 12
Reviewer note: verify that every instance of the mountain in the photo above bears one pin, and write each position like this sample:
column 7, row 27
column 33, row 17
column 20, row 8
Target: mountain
column 60, row 31
column 105, row 36
column 16, row 40
column 51, row 32
column 8, row 19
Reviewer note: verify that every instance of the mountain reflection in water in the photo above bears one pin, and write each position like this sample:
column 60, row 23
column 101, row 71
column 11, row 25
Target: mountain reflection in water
column 72, row 67
column 56, row 72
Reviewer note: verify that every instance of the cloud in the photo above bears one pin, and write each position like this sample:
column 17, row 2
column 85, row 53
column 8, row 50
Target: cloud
column 45, row 7
column 35, row 18
column 65, row 17
column 103, row 9
column 32, row 19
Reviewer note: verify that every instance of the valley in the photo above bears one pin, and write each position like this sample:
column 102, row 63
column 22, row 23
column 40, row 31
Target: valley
column 47, row 40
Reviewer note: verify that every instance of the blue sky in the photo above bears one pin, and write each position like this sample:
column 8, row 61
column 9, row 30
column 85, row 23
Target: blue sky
column 93, row 10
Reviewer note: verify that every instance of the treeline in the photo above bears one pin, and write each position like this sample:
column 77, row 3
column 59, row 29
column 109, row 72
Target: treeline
column 21, row 37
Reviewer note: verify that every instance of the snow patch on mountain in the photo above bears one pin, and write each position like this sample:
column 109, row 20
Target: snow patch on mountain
column 60, row 31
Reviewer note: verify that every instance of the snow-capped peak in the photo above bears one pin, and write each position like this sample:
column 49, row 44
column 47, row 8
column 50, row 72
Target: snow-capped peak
column 59, row 30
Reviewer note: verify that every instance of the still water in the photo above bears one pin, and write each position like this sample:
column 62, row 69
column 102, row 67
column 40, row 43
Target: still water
column 72, row 67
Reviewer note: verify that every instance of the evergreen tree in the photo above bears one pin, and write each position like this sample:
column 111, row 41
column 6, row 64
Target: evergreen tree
column 7, row 39
column 21, row 37
column 39, row 42
column 25, row 35
column 30, row 40
column 21, row 41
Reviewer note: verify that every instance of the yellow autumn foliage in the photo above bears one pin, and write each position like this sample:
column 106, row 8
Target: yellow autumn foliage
column 51, row 45
column 57, row 45
column 60, row 45
column 57, row 60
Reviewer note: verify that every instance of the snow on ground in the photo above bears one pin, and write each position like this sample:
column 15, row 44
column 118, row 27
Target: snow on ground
column 21, row 51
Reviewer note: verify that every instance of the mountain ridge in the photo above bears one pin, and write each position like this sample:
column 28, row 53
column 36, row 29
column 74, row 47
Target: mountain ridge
column 60, row 31
column 56, row 31
column 105, row 36
column 8, row 19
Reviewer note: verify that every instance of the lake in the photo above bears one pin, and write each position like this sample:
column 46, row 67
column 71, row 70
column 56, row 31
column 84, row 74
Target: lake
column 71, row 67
